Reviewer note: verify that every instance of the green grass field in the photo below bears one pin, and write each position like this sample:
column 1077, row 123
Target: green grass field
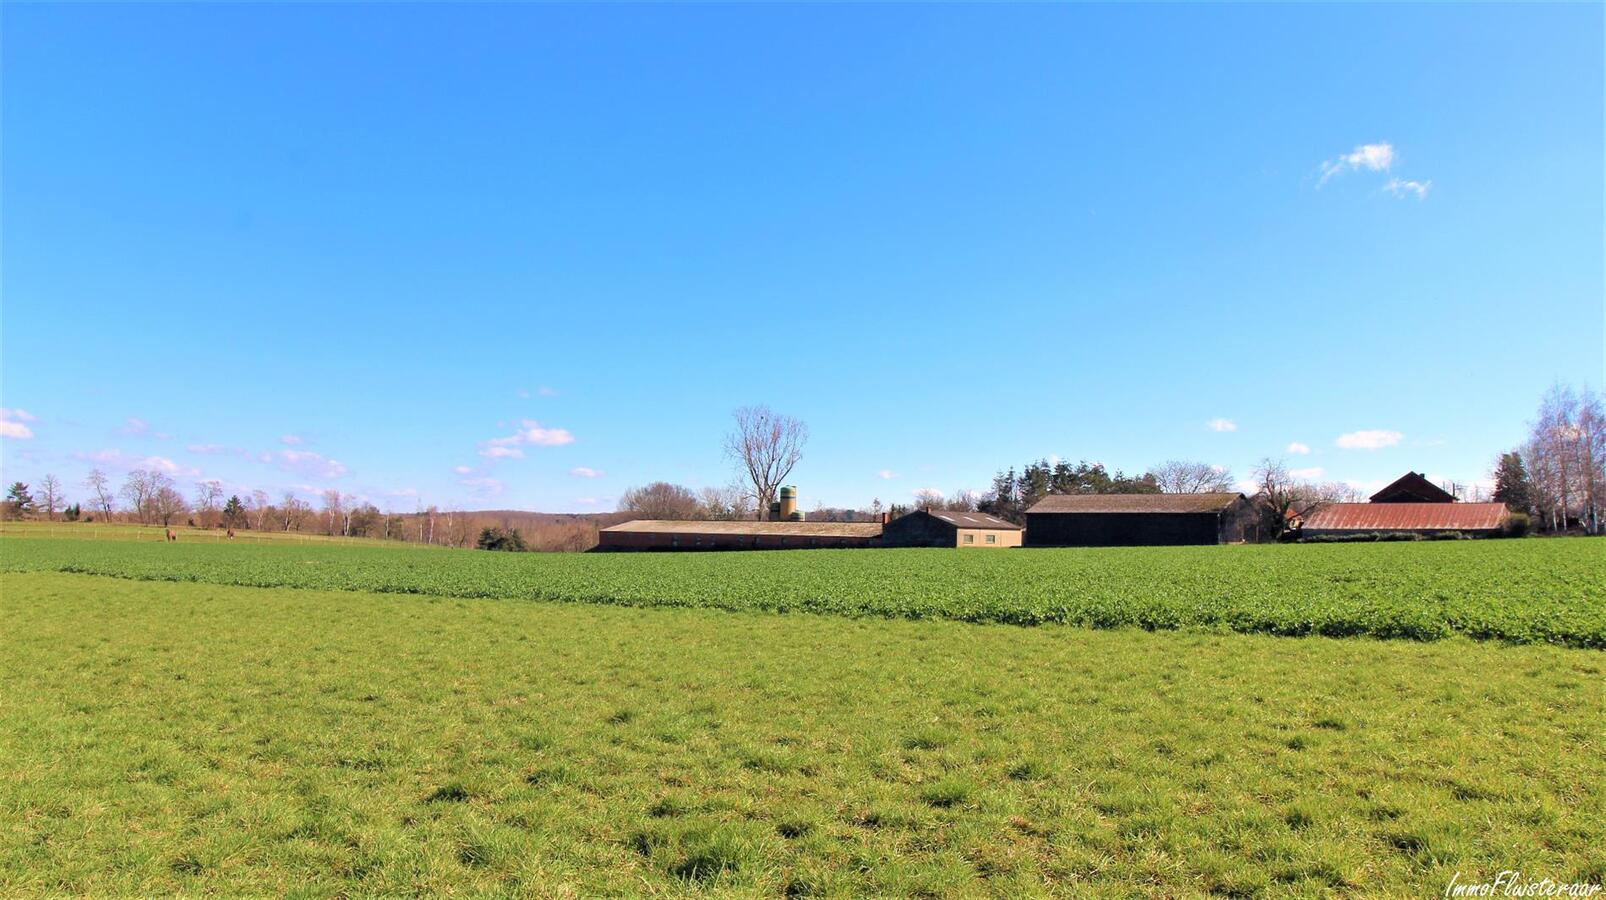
column 1525, row 591
column 189, row 738
column 172, row 731
column 123, row 531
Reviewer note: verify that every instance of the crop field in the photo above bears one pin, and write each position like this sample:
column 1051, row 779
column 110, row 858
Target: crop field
column 1519, row 591
column 165, row 737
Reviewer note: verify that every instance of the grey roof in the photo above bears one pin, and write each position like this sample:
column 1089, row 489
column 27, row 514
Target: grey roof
column 792, row 529
column 972, row 519
column 1136, row 503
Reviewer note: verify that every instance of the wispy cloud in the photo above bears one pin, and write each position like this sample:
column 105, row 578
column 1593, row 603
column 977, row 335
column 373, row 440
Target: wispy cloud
column 292, row 440
column 134, row 425
column 1401, row 187
column 120, row 461
column 1371, row 439
column 462, row 470
column 1377, row 157
column 886, row 474
column 1221, row 425
column 585, row 472
column 308, row 464
column 1297, row 448
column 1310, row 474
column 530, row 433
column 11, row 424
column 483, row 487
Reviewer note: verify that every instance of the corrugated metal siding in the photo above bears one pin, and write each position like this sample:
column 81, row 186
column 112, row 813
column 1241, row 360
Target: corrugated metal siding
column 1406, row 517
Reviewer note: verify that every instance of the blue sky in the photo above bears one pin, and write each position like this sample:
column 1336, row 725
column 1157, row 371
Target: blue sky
column 302, row 246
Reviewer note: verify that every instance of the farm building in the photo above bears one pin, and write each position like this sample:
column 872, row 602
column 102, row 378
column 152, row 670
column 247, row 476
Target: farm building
column 942, row 528
column 1393, row 517
column 1411, row 505
column 1107, row 520
column 1412, row 488
column 655, row 534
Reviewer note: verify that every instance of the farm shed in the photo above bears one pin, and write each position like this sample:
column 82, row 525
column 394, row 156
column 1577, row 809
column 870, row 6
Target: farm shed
column 657, row 534
column 1395, row 517
column 1412, row 488
column 1107, row 520
column 942, row 528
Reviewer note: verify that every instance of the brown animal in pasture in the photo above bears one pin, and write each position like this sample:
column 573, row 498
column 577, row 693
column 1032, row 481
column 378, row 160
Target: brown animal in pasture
column 171, row 536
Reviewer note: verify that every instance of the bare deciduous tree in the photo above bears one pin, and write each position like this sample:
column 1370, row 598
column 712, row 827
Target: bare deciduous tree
column 660, row 500
column 962, row 501
column 208, row 501
column 929, row 499
column 138, row 488
column 1281, row 497
column 728, row 503
column 292, row 511
column 98, row 483
column 166, row 502
column 261, row 508
column 1180, row 477
column 765, row 446
column 50, row 497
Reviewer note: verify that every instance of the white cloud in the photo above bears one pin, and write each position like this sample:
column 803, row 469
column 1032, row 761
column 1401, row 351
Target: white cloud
column 886, row 474
column 1297, row 448
column 1310, row 474
column 545, row 437
column 531, row 433
column 117, row 459
column 134, row 425
column 308, row 464
column 1372, row 439
column 1372, row 157
column 482, row 487
column 11, row 424
column 292, row 440
column 462, row 470
column 1401, row 187
column 585, row 472
column 1221, row 425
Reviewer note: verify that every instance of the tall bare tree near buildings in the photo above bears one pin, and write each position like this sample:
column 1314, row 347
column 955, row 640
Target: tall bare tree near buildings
column 98, row 483
column 929, row 499
column 1181, row 477
column 765, row 446
column 292, row 511
column 1281, row 497
column 50, row 496
column 332, row 512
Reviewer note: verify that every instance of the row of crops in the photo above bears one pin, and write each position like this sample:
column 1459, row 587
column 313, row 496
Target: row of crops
column 1521, row 591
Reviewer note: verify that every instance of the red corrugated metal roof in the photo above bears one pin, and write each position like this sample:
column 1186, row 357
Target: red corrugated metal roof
column 1406, row 517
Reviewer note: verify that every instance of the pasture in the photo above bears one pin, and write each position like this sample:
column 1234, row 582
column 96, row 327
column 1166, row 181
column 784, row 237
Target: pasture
column 181, row 737
column 1519, row 591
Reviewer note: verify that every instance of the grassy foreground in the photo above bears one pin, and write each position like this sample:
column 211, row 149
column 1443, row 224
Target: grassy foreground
column 1549, row 591
column 166, row 737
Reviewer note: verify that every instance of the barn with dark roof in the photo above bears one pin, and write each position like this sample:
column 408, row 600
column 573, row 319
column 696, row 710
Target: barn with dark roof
column 1110, row 520
column 947, row 528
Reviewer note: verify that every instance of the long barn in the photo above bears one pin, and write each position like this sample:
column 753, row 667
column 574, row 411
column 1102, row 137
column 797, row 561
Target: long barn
column 1110, row 520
